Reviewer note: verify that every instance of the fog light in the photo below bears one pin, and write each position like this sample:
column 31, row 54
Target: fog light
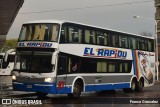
column 48, row 80
column 13, row 77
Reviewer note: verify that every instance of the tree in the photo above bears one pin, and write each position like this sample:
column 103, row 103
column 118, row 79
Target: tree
column 9, row 44
column 146, row 34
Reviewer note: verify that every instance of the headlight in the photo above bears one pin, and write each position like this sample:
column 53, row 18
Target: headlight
column 13, row 77
column 48, row 80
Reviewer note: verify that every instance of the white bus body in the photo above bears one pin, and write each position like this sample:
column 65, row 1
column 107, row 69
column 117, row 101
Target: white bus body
column 61, row 57
column 7, row 62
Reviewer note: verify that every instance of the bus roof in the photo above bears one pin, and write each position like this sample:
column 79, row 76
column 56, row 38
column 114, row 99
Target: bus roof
column 63, row 21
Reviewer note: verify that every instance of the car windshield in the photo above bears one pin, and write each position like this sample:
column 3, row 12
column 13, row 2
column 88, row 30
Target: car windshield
column 39, row 32
column 33, row 61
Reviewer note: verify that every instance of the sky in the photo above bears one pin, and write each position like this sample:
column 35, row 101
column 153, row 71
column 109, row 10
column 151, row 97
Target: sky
column 112, row 14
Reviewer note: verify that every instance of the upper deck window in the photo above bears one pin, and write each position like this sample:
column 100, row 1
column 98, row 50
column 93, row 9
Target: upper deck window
column 75, row 35
column 39, row 32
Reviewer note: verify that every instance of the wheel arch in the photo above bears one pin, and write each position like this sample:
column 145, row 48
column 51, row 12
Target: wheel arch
column 134, row 77
column 78, row 78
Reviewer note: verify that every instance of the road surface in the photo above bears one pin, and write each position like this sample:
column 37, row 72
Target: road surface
column 149, row 97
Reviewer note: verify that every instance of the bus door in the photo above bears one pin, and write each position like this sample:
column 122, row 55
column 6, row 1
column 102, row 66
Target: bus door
column 1, row 61
column 61, row 74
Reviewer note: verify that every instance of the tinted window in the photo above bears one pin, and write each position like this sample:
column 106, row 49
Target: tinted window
column 75, row 34
column 102, row 38
column 63, row 37
column 90, row 37
column 123, row 41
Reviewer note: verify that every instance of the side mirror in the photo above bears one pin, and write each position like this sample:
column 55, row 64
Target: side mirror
column 6, row 54
column 54, row 58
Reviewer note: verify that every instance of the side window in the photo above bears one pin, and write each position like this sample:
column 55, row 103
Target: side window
column 63, row 37
column 146, row 45
column 142, row 44
column 124, row 67
column 114, row 40
column 73, row 65
column 90, row 37
column 132, row 43
column 101, row 66
column 111, row 67
column 117, row 41
column 123, row 41
column 149, row 45
column 75, row 35
column 102, row 38
column 88, row 66
column 106, row 37
column 62, row 65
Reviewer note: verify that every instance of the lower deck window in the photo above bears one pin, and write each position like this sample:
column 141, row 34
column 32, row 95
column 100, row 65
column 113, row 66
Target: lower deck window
column 112, row 67
column 75, row 64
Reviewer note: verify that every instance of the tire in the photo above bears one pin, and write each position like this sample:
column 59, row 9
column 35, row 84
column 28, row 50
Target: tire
column 133, row 87
column 77, row 89
column 140, row 85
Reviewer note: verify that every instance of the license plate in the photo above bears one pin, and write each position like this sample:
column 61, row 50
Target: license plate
column 29, row 86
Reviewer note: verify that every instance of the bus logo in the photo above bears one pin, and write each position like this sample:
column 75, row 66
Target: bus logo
column 35, row 44
column 105, row 52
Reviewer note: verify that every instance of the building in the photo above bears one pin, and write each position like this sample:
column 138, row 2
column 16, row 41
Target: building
column 8, row 12
column 157, row 18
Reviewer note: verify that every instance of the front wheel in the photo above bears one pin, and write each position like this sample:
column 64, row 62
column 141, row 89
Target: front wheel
column 77, row 89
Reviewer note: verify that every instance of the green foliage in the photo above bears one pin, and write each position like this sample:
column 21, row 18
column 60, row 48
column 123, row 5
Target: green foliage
column 9, row 44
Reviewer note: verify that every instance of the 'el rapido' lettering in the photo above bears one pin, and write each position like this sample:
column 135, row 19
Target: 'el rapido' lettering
column 35, row 44
column 104, row 52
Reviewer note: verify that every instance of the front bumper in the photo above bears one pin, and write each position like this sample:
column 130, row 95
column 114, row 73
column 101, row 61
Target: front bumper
column 35, row 87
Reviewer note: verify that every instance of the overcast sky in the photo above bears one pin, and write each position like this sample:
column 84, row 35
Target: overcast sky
column 103, row 13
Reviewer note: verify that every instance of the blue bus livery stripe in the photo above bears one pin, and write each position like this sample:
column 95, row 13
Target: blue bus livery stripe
column 54, row 90
column 99, row 87
column 44, row 88
column 134, row 61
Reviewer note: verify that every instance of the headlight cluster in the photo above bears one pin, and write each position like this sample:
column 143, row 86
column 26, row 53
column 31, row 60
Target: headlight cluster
column 45, row 80
column 13, row 77
column 48, row 80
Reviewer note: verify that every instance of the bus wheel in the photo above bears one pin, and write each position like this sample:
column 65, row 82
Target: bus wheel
column 133, row 87
column 76, row 90
column 140, row 85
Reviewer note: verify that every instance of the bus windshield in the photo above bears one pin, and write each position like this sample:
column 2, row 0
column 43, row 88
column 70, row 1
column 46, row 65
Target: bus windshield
column 33, row 61
column 39, row 32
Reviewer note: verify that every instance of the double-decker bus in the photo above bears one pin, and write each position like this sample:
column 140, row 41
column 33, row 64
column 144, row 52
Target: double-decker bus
column 7, row 62
column 63, row 57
